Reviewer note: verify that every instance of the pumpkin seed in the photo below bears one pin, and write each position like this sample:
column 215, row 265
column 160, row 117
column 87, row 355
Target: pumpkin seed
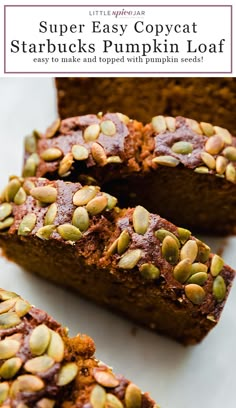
column 46, row 403
column 112, row 248
column 230, row 153
column 162, row 233
column 50, row 214
column 113, row 402
column 123, row 242
column 28, row 185
column 69, row 232
column 159, row 124
column 50, row 154
column 168, row 161
column 80, row 219
column 39, row 339
column 198, row 267
column 219, row 288
column 11, row 189
column 10, row 367
column 224, row 134
column 45, row 232
column 20, row 196
column 230, row 173
column 26, row 383
column 8, row 348
column 114, row 159
column 170, row 250
column 98, row 397
column 105, row 378
column 56, row 347
column 133, row 396
column 149, row 271
column 97, row 205
column 4, row 390
column 5, row 211
column 170, row 123
column 52, row 130
column 108, row 128
column 199, row 278
column 91, row 133
column 207, row 129
column 7, row 305
column 67, row 374
column 195, row 293
column 189, row 250
column 80, row 152
column 123, row 118
column 27, row 224
column 221, row 163
column 130, row 259
column 217, row 264
column 211, row 318
column 111, row 201
column 65, row 165
column 5, row 294
column 214, row 144
column 30, row 168
column 140, row 220
column 201, row 170
column 84, row 195
column 203, row 251
column 182, row 270
column 22, row 307
column 194, row 125
column 39, row 364
column 99, row 154
column 6, row 223
column 182, row 147
column 45, row 194
column 209, row 160
column 8, row 320
column 30, row 144
column 184, row 234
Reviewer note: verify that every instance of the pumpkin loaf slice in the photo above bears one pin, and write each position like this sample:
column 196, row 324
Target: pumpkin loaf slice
column 181, row 169
column 132, row 261
column 41, row 367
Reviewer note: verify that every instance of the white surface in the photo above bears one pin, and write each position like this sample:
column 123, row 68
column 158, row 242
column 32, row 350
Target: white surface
column 202, row 376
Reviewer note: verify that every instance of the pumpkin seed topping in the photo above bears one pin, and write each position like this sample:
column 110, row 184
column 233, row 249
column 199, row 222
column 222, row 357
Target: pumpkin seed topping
column 84, row 195
column 123, row 118
column 194, row 125
column 189, row 250
column 65, row 165
column 162, row 233
column 130, row 259
column 182, row 270
column 184, row 234
column 108, row 128
column 30, row 144
column 230, row 173
column 170, row 250
column 182, row 147
column 5, row 210
column 8, row 348
column 20, row 196
column 10, row 367
column 50, row 214
column 30, row 167
column 198, row 267
column 208, row 160
column 171, row 123
column 217, row 264
column 114, row 159
column 69, row 232
column 11, row 189
column 214, row 144
column 67, row 374
column 39, row 339
column 221, row 163
column 168, row 161
column 230, row 153
column 22, row 307
column 133, row 396
column 149, row 271
column 97, row 205
column 203, row 251
column 219, row 288
column 99, row 154
column 45, row 194
column 112, row 201
column 112, row 248
column 39, row 364
column 195, row 293
column 123, row 242
column 199, row 278
column 4, row 390
column 56, row 347
column 98, row 397
column 51, row 130
column 224, row 134
column 50, row 154
column 91, row 133
column 45, row 232
column 46, row 403
column 207, row 128
column 5, row 295
column 80, row 219
column 27, row 224
column 7, row 305
column 159, row 124
column 105, row 378
column 80, row 152
column 26, row 383
column 28, row 185
column 8, row 320
column 201, row 170
column 140, row 220
column 113, row 402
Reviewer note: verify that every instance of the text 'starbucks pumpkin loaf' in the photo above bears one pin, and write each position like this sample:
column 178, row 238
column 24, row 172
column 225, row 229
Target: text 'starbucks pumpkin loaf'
column 130, row 260
column 176, row 167
column 42, row 367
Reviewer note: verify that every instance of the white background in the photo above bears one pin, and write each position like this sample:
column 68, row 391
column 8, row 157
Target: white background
column 202, row 376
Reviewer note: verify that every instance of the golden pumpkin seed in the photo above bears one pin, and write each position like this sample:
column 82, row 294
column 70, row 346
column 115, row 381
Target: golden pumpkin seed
column 198, row 267
column 69, row 232
column 56, row 347
column 5, row 294
column 219, row 288
column 207, row 128
column 162, row 233
column 50, row 154
column 45, row 232
column 39, row 339
column 46, row 403
column 50, row 214
column 170, row 123
column 221, row 163
column 11, row 189
column 97, row 205
column 108, row 128
column 149, row 271
column 67, row 374
column 182, row 147
column 30, row 144
column 211, row 318
column 203, row 251
column 5, row 211
column 230, row 153
column 184, row 234
column 7, row 305
column 10, row 367
column 20, row 196
column 80, row 152
column 123, row 118
column 133, row 396
column 84, row 195
column 194, row 125
column 113, row 402
column 201, row 170
column 52, row 130
column 189, row 250
column 199, row 278
column 105, row 378
column 123, row 242
column 195, row 293
column 99, row 154
column 112, row 248
column 28, row 185
column 98, row 397
column 80, row 219
column 168, row 161
column 224, row 134
column 30, row 168
column 8, row 348
column 214, row 144
column 6, row 223
column 182, row 270
column 217, row 265
column 209, row 160
column 27, row 224
column 130, row 259
column 22, row 307
column 114, row 159
column 91, row 133
column 140, row 220
column 65, row 165
column 170, row 250
column 45, row 194
column 159, row 124
column 26, row 383
column 230, row 173
column 4, row 391
column 39, row 364
column 111, row 201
